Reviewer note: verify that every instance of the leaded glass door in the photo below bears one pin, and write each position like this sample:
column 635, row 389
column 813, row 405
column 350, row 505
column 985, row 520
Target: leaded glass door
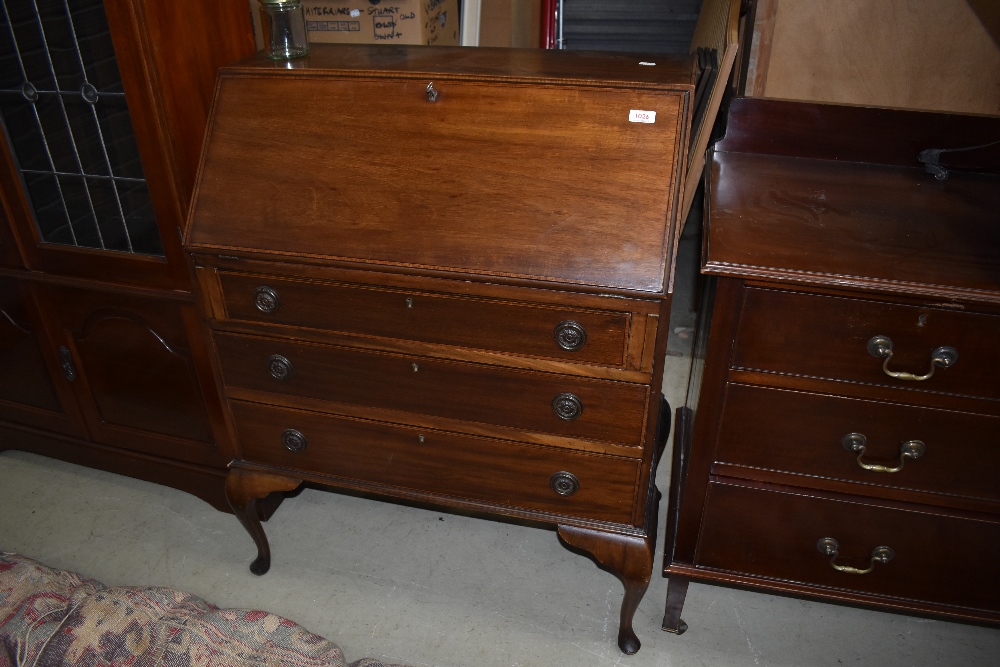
column 75, row 170
column 67, row 121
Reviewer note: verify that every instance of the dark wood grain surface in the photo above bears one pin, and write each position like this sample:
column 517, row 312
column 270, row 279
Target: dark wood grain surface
column 495, row 471
column 826, row 232
column 801, row 434
column 205, row 482
column 891, row 228
column 857, row 133
column 828, row 338
column 936, row 555
column 138, row 380
column 10, row 253
column 612, row 411
column 544, row 65
column 28, row 394
column 370, row 310
column 422, row 249
column 539, row 181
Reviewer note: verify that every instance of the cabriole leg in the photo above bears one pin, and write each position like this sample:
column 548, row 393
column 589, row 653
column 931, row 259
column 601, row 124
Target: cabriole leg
column 628, row 557
column 243, row 489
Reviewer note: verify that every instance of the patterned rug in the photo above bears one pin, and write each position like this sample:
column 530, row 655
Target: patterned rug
column 54, row 618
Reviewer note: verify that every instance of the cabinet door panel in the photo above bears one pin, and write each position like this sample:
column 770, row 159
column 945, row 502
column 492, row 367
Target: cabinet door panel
column 99, row 152
column 9, row 253
column 138, row 378
column 28, row 394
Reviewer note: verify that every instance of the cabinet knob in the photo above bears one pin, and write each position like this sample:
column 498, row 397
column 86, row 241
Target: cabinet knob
column 432, row 92
column 857, row 443
column 266, row 299
column 570, row 335
column 830, row 547
column 280, row 367
column 567, row 406
column 294, row 440
column 880, row 347
column 564, row 483
column 68, row 368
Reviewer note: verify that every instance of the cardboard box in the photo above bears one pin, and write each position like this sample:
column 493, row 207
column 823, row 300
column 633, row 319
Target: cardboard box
column 383, row 21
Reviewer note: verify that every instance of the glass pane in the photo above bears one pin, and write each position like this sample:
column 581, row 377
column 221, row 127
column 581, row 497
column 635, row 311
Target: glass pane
column 64, row 113
column 77, row 199
column 116, row 128
column 139, row 217
column 50, row 214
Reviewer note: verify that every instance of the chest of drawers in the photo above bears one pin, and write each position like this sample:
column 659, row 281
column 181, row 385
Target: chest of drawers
column 444, row 275
column 843, row 423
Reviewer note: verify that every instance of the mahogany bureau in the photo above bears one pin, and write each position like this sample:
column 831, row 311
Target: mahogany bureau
column 444, row 275
column 845, row 401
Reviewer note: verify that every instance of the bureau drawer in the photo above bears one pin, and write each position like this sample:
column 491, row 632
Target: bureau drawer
column 804, row 433
column 579, row 335
column 774, row 534
column 479, row 469
column 827, row 337
column 608, row 411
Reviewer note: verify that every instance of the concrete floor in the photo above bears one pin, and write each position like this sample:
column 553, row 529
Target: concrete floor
column 425, row 587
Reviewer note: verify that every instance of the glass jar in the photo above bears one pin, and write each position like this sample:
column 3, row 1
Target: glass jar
column 284, row 29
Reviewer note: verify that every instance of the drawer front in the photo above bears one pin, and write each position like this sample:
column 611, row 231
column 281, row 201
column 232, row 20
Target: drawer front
column 804, row 433
column 480, row 469
column 593, row 337
column 774, row 534
column 611, row 411
column 827, row 337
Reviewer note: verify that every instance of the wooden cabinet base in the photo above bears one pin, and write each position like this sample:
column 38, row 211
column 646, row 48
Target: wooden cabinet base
column 628, row 556
column 207, row 483
column 676, row 593
column 244, row 488
column 682, row 574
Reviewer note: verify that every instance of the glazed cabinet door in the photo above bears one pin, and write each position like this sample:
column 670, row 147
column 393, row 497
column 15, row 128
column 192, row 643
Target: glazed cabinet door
column 141, row 371
column 103, row 104
column 31, row 392
column 10, row 256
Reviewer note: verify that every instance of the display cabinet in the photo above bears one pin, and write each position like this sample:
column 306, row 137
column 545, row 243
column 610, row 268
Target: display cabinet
column 104, row 106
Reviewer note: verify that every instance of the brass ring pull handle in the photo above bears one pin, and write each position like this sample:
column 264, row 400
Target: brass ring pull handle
column 570, row 335
column 564, row 483
column 293, row 440
column 567, row 406
column 857, row 443
column 881, row 348
column 830, row 547
column 279, row 366
column 266, row 300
